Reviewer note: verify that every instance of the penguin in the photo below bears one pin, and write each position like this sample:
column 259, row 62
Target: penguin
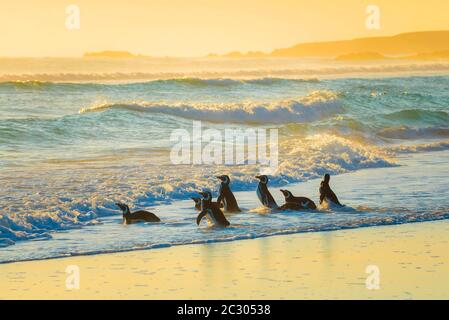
column 326, row 192
column 264, row 194
column 138, row 216
column 198, row 203
column 210, row 210
column 226, row 196
column 297, row 203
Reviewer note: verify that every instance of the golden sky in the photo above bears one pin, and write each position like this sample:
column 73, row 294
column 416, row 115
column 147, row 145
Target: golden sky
column 198, row 27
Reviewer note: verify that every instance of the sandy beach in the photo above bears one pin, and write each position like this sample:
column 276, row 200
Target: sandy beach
column 153, row 150
column 412, row 259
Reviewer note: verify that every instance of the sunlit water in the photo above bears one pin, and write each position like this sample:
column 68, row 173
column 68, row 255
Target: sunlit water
column 69, row 151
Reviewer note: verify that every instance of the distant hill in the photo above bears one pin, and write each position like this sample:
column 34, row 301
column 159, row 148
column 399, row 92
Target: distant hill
column 110, row 54
column 362, row 56
column 237, row 54
column 365, row 56
column 441, row 55
column 402, row 44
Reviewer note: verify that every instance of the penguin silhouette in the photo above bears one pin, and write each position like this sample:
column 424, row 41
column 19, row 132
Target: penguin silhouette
column 137, row 216
column 210, row 210
column 297, row 203
column 264, row 194
column 197, row 201
column 326, row 192
column 226, row 196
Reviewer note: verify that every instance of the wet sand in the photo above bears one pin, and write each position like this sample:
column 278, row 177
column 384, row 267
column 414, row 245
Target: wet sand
column 412, row 260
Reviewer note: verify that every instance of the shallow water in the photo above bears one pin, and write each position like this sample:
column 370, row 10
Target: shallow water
column 373, row 197
column 69, row 151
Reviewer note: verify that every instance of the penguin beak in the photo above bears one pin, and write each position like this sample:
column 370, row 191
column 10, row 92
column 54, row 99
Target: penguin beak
column 257, row 177
column 200, row 217
column 203, row 194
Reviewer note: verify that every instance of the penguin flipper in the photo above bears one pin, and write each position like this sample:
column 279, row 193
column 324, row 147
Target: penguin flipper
column 200, row 217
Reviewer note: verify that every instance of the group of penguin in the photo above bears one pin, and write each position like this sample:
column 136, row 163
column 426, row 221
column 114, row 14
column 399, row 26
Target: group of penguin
column 226, row 202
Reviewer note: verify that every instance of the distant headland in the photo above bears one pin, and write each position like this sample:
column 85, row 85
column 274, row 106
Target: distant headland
column 365, row 56
column 112, row 54
column 423, row 45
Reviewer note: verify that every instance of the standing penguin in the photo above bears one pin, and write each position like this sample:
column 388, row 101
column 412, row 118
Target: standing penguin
column 210, row 210
column 326, row 192
column 226, row 196
column 198, row 203
column 264, row 194
column 296, row 203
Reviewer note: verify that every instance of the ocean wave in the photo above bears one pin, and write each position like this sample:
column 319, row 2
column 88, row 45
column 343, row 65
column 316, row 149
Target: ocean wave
column 187, row 81
column 315, row 106
column 39, row 224
column 419, row 115
column 359, row 217
column 423, row 147
column 226, row 82
column 250, row 73
column 406, row 133
column 50, row 209
column 37, row 85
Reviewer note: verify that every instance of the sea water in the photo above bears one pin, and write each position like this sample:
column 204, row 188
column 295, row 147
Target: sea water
column 70, row 150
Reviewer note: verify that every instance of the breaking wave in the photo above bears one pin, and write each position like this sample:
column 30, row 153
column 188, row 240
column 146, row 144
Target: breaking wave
column 406, row 133
column 65, row 168
column 187, row 81
column 315, row 106
column 254, row 73
column 302, row 160
column 419, row 115
column 424, row 147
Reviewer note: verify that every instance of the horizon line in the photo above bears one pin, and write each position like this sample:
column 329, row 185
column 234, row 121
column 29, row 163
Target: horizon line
column 207, row 55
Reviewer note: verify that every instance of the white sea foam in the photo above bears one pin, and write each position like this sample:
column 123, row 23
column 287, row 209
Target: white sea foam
column 315, row 106
column 30, row 216
column 65, row 170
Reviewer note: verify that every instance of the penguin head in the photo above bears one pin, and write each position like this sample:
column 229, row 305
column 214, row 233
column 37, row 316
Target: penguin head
column 207, row 195
column 327, row 177
column 287, row 194
column 123, row 207
column 225, row 179
column 197, row 202
column 263, row 179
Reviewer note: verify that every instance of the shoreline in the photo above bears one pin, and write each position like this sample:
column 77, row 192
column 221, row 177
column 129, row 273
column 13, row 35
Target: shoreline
column 206, row 242
column 318, row 265
column 353, row 185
